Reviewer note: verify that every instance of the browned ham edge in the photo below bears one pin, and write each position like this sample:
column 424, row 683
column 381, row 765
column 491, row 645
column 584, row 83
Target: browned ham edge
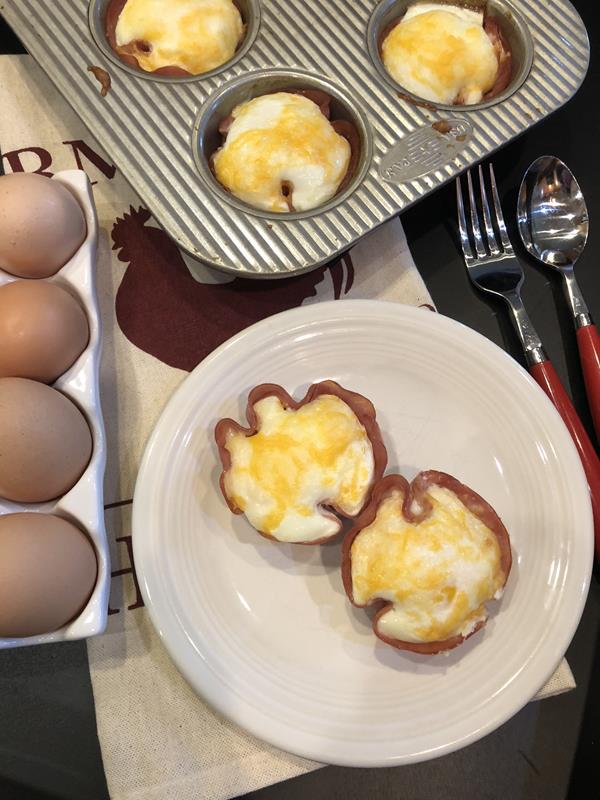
column 319, row 98
column 416, row 102
column 417, row 491
column 127, row 53
column 503, row 53
column 361, row 406
column 287, row 191
column 224, row 126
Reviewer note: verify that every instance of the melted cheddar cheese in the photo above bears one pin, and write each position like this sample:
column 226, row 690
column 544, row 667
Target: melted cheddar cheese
column 441, row 53
column 298, row 459
column 196, row 35
column 437, row 573
column 282, row 138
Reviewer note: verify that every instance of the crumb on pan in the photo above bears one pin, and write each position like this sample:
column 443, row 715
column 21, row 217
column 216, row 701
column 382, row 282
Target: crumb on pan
column 442, row 126
column 102, row 77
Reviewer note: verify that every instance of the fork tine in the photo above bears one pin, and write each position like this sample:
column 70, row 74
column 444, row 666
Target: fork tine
column 499, row 216
column 462, row 222
column 478, row 239
column 489, row 228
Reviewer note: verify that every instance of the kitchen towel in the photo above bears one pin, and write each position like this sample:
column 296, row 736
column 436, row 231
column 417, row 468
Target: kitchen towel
column 162, row 313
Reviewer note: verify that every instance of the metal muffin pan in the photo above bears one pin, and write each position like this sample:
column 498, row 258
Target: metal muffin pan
column 83, row 505
column 157, row 129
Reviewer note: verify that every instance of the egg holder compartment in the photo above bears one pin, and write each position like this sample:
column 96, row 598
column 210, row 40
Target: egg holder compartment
column 158, row 129
column 83, row 505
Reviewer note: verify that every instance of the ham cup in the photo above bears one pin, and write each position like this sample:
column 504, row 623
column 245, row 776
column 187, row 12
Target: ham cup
column 298, row 462
column 449, row 54
column 176, row 39
column 430, row 554
column 281, row 152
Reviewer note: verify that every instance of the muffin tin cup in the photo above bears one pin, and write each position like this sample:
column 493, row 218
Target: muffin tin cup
column 513, row 27
column 249, row 9
column 83, row 504
column 158, row 130
column 206, row 138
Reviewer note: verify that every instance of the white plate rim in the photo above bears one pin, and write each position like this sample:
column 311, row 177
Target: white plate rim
column 173, row 639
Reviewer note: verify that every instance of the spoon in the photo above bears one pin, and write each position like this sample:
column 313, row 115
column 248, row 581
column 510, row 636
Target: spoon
column 553, row 222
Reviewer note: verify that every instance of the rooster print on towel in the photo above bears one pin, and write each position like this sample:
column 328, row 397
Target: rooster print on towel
column 179, row 319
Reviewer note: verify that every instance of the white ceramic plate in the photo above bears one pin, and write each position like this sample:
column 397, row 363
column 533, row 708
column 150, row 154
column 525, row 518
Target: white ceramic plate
column 84, row 503
column 264, row 631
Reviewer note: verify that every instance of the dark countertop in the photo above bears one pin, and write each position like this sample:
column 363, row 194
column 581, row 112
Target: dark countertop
column 48, row 743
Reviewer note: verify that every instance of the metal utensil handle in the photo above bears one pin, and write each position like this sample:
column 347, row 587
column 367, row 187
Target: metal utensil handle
column 588, row 341
column 528, row 336
column 545, row 375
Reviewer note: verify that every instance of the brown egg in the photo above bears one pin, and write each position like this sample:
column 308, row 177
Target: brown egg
column 45, row 442
column 41, row 225
column 43, row 330
column 48, row 570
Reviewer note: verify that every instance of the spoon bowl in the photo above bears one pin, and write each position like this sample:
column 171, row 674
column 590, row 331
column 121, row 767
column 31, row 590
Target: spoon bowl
column 553, row 223
column 551, row 214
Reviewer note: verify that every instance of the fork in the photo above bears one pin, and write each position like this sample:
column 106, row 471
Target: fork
column 493, row 267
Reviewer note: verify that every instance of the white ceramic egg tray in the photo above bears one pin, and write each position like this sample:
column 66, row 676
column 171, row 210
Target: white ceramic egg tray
column 84, row 503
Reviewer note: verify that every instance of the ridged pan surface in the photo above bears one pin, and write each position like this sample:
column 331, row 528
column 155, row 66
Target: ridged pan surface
column 152, row 127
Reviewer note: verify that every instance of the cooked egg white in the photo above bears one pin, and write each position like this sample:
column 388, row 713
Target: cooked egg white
column 437, row 573
column 441, row 53
column 282, row 137
column 196, row 35
column 319, row 453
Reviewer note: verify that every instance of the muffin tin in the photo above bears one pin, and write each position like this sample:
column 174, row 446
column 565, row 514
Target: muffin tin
column 84, row 503
column 159, row 130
